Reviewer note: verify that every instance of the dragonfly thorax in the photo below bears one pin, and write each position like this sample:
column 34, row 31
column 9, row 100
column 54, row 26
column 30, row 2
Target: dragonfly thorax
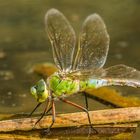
column 61, row 86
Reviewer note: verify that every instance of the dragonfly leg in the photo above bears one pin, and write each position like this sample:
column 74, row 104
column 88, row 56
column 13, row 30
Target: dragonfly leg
column 86, row 101
column 34, row 109
column 46, row 110
column 80, row 107
column 73, row 104
column 53, row 118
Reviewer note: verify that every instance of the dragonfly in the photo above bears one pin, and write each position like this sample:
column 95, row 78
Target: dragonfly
column 80, row 63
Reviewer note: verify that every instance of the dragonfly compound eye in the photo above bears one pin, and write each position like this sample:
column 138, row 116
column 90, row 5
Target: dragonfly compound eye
column 39, row 91
column 33, row 91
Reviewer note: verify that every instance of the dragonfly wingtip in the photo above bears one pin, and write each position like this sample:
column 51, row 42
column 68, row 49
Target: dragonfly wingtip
column 52, row 11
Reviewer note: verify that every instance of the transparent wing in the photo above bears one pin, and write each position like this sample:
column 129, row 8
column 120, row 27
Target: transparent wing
column 87, row 74
column 94, row 44
column 122, row 75
column 62, row 37
column 115, row 75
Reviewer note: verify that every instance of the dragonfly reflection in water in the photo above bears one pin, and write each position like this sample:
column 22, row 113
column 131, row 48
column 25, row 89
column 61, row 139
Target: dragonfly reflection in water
column 80, row 66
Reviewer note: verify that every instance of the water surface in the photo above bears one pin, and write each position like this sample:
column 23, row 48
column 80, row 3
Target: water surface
column 23, row 43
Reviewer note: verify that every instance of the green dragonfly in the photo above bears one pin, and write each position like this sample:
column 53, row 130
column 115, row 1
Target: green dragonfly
column 79, row 62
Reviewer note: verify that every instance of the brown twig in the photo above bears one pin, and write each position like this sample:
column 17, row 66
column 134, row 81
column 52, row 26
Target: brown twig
column 98, row 119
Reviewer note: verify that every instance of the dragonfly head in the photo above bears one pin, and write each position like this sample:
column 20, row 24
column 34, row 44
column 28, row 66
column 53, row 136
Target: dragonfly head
column 40, row 91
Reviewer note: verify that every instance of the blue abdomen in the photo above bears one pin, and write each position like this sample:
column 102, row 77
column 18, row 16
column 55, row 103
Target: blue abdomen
column 95, row 83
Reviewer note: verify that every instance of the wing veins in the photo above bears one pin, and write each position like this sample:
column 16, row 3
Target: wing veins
column 78, row 55
column 62, row 38
column 93, row 43
column 54, row 46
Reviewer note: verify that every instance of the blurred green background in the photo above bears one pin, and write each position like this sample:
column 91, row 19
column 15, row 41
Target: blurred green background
column 23, row 43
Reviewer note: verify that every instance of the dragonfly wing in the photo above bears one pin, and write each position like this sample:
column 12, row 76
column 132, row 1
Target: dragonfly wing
column 122, row 75
column 87, row 74
column 93, row 44
column 62, row 38
column 115, row 75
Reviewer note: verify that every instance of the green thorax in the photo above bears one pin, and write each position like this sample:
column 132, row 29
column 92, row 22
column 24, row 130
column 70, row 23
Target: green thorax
column 62, row 86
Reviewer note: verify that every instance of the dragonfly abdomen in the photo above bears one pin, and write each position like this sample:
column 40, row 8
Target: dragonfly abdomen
column 92, row 83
